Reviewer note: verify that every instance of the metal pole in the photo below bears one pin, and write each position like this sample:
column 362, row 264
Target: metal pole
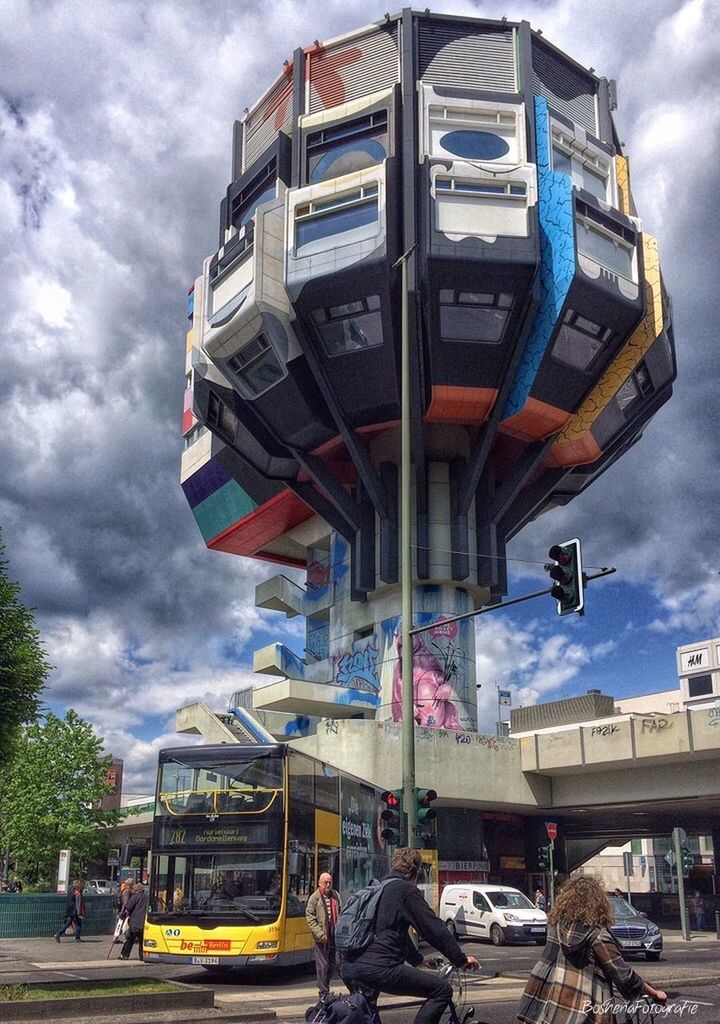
column 406, row 579
column 684, row 923
column 504, row 604
column 552, row 873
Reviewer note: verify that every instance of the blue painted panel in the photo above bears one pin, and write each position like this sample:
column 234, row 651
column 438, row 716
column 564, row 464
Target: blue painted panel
column 557, row 260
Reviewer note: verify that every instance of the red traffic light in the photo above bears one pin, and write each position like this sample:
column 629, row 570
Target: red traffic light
column 390, row 799
column 426, row 797
column 560, row 554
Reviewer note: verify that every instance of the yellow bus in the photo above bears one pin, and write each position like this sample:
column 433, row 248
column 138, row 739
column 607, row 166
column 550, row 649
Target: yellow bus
column 240, row 835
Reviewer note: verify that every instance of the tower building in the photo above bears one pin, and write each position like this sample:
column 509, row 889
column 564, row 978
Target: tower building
column 540, row 334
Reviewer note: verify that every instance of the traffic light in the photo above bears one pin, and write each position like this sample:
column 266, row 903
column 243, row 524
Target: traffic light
column 543, row 858
column 391, row 816
column 566, row 572
column 423, row 799
column 688, row 862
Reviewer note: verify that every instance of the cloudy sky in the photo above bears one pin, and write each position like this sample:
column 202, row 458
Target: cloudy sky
column 115, row 129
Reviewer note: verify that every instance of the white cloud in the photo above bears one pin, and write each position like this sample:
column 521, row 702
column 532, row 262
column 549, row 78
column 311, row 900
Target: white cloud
column 114, row 153
column 532, row 662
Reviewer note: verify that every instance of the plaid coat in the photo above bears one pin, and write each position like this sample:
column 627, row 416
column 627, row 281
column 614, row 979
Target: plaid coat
column 576, row 979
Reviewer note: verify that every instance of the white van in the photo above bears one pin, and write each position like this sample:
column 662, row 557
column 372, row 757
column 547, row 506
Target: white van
column 495, row 912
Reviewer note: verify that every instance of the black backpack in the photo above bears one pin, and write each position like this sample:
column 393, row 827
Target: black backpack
column 355, row 926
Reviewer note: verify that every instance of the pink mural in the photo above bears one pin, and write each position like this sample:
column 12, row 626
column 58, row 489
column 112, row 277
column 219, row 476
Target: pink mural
column 431, row 685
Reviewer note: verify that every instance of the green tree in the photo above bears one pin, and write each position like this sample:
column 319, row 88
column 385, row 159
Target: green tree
column 51, row 792
column 23, row 668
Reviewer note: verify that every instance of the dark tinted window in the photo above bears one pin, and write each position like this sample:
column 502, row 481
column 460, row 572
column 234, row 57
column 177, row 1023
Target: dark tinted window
column 256, row 365
column 474, row 144
column 473, row 316
column 351, row 327
column 344, row 148
column 700, row 686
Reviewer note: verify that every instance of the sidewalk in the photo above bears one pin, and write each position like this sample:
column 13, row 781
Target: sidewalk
column 289, row 993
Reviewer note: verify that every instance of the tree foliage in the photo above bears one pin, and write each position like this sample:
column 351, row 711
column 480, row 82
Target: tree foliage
column 51, row 792
column 23, row 668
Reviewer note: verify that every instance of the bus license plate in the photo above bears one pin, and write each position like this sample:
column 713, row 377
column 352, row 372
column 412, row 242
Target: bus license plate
column 205, row 961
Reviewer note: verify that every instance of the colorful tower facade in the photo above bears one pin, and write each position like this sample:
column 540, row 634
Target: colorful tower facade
column 541, row 340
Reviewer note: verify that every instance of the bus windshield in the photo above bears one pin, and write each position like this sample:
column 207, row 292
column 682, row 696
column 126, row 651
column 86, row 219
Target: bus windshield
column 243, row 886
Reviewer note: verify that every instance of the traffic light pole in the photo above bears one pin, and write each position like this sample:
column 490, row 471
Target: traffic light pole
column 503, row 604
column 677, row 849
column 406, row 578
column 552, row 872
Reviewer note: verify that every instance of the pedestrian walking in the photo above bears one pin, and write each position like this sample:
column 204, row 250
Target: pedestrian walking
column 321, row 913
column 581, row 967
column 135, row 913
column 74, row 912
column 382, row 966
column 539, row 899
column 697, row 905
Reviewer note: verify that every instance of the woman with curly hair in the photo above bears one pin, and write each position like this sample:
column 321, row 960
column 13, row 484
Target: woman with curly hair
column 582, row 967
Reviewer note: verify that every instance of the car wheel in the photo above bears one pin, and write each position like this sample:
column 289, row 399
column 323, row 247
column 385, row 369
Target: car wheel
column 652, row 956
column 496, row 935
column 450, row 925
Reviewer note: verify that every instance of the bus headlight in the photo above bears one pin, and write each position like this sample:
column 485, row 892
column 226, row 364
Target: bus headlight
column 268, row 945
column 150, row 944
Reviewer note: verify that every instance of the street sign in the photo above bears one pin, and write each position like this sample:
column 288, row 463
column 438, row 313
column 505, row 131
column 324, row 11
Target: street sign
column 551, row 827
column 681, row 834
column 670, row 858
column 628, row 864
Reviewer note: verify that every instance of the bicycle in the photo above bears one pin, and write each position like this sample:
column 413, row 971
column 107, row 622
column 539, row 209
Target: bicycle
column 460, row 1010
column 640, row 1010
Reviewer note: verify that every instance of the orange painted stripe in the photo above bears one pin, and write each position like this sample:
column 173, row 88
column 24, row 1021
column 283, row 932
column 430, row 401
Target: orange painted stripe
column 264, row 524
column 580, row 452
column 450, row 404
column 535, row 421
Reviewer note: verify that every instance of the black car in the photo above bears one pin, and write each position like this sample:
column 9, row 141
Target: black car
column 636, row 935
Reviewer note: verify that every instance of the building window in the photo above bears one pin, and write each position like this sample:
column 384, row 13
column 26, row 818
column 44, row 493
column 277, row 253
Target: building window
column 606, row 246
column 473, row 316
column 322, row 218
column 352, row 327
column 638, row 383
column 472, row 134
column 474, row 145
column 194, row 435
column 460, row 186
column 348, row 147
column 585, row 165
column 221, row 417
column 259, row 190
column 700, row 686
column 580, row 341
column 256, row 366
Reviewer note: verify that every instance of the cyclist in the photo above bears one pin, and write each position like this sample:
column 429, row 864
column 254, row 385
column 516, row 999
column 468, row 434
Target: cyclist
column 381, row 967
column 582, row 966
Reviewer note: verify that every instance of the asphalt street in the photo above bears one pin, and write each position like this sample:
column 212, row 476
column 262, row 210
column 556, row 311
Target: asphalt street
column 690, row 972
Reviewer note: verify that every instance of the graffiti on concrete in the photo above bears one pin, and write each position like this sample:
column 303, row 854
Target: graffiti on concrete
column 605, row 730
column 358, row 669
column 433, row 674
column 655, row 724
